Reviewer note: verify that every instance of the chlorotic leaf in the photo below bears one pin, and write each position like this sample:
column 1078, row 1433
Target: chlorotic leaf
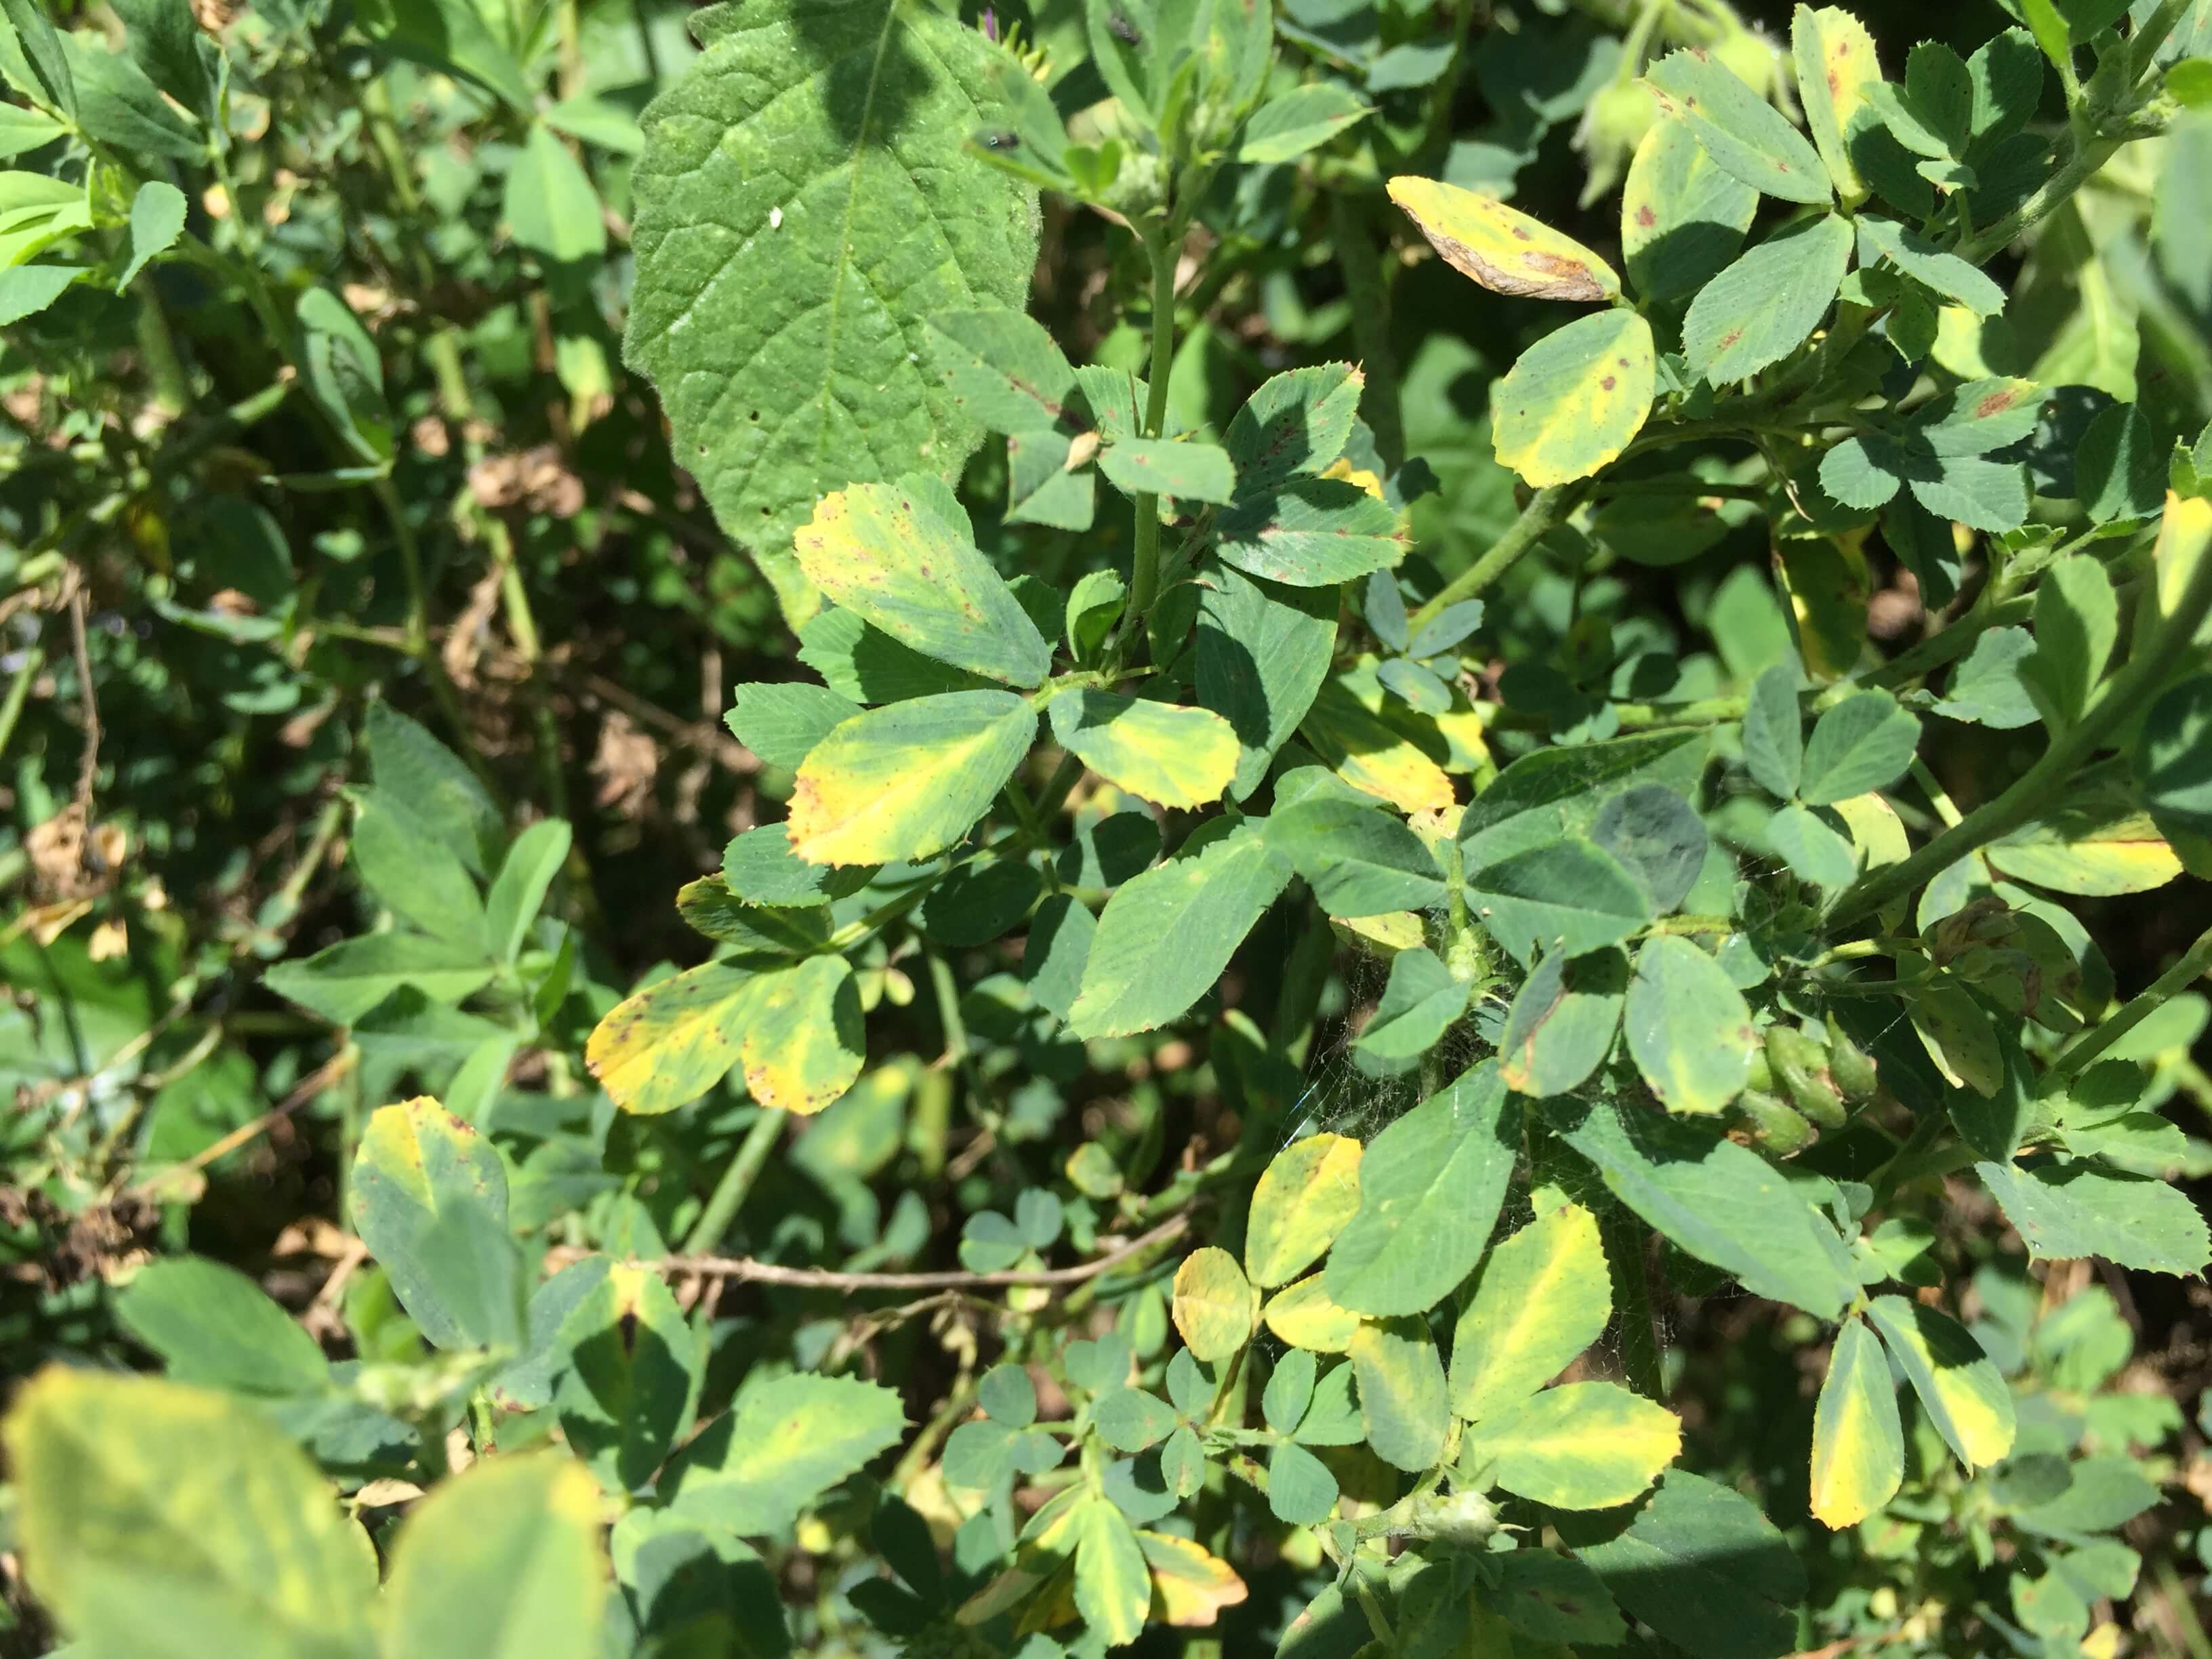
column 1964, row 1394
column 672, row 1041
column 910, row 780
column 1214, row 1307
column 1402, row 1391
column 802, row 1045
column 783, row 1444
column 1113, row 1587
column 1835, row 60
column 1688, row 1026
column 1580, row 1446
column 902, row 556
column 1172, row 756
column 1575, row 399
column 1303, row 1315
column 152, row 1517
column 1542, row 1297
column 418, row 1165
column 1501, row 248
column 1682, row 215
column 1858, row 1446
column 1305, row 1195
column 505, row 1557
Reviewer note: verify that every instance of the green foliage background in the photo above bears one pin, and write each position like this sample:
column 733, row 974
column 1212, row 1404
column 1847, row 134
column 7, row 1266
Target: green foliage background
column 852, row 828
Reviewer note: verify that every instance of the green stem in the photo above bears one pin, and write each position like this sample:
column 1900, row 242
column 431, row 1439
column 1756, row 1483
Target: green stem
column 1371, row 319
column 2143, row 44
column 1545, row 511
column 729, row 1194
column 2196, row 962
column 18, row 690
column 1145, row 575
column 2123, row 697
column 1954, row 642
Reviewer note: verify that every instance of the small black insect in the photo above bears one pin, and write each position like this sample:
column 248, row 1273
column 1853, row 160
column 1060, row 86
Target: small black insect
column 999, row 139
column 1123, row 30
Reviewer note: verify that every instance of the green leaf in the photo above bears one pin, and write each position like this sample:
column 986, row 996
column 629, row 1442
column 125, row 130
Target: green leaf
column 1556, row 1599
column 672, row 1041
column 419, row 1164
column 782, row 722
column 1420, row 1003
column 22, row 130
column 346, row 980
column 1986, row 688
column 1721, row 1203
column 1964, row 1394
column 1297, row 423
column 118, row 105
column 1261, row 653
column 1429, row 1187
column 1501, row 248
column 1305, row 117
column 1542, row 1297
column 598, row 121
column 1774, row 731
column 1858, row 1446
column 1745, row 134
column 154, row 1518
column 38, row 44
column 2077, row 624
column 1688, row 1027
column 1835, row 60
column 1659, row 839
column 417, row 878
column 1359, row 860
column 802, row 209
column 2174, row 755
column 157, row 219
column 1979, row 416
column 2068, row 1212
column 1113, row 1587
column 1402, row 1391
column 1698, row 1563
column 1173, row 757
column 1163, row 467
column 2120, row 466
column 908, row 781
column 2105, row 1493
column 1301, row 1490
column 1062, row 934
column 1920, row 259
column 1768, row 302
column 1571, row 897
column 1130, row 1420
column 1574, row 400
column 1004, row 368
column 1304, row 1197
column 1214, row 1307
column 760, row 866
column 1682, row 215
column 1814, row 850
column 214, row 1325
column 414, row 770
column 1311, row 532
column 757, row 1467
column 628, row 1376
column 902, row 556
column 450, row 34
column 550, row 205
column 1580, row 1446
column 519, row 891
column 1864, row 742
column 867, row 665
column 1166, row 935
column 1560, row 791
column 1563, row 1022
column 506, row 1557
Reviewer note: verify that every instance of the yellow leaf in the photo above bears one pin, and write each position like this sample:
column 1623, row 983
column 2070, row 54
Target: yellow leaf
column 1371, row 755
column 1858, row 1446
column 1303, row 1200
column 1189, row 1587
column 1214, row 1303
column 1172, row 756
column 909, row 780
column 1500, row 247
column 1303, row 1315
column 802, row 1045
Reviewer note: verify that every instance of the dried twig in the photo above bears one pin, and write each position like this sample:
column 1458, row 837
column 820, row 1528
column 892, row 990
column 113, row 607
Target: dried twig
column 315, row 1082
column 745, row 1269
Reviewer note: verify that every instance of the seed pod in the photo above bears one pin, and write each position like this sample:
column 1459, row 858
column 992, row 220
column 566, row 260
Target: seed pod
column 1852, row 1066
column 1802, row 1065
column 1780, row 1129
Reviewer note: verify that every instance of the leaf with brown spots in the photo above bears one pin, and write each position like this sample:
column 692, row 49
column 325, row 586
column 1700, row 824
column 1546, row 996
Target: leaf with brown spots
column 1744, row 133
column 1500, row 247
